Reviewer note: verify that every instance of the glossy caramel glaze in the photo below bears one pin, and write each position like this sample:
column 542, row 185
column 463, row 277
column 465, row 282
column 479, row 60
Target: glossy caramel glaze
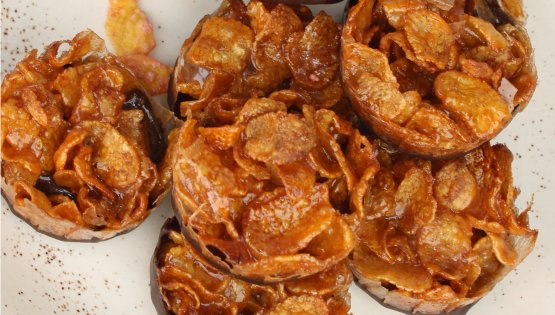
column 243, row 51
column 184, row 283
column 437, row 79
column 275, row 195
column 437, row 236
column 78, row 132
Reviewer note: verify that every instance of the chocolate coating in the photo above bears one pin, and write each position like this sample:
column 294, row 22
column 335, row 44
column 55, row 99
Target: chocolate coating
column 137, row 99
column 47, row 185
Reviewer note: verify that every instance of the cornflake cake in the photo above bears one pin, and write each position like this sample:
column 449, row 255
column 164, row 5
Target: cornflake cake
column 243, row 51
column 268, row 158
column 81, row 141
column 438, row 236
column 437, row 78
column 275, row 195
column 182, row 282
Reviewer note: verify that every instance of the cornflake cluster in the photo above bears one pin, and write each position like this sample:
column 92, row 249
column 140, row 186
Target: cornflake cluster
column 240, row 52
column 76, row 142
column 190, row 285
column 262, row 183
column 437, row 78
column 270, row 194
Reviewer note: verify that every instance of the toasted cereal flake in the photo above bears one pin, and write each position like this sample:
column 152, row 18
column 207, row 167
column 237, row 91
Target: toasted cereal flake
column 208, row 180
column 455, row 187
column 223, row 44
column 380, row 198
column 24, row 191
column 129, row 29
column 258, row 15
column 221, row 138
column 396, row 10
column 298, row 178
column 85, row 171
column 485, row 256
column 503, row 248
column 444, row 246
column 415, row 200
column 313, row 55
column 279, row 138
column 328, row 281
column 278, row 225
column 268, row 51
column 443, row 4
column 117, row 162
column 438, row 126
column 400, row 38
column 323, row 98
column 473, row 102
column 430, row 37
column 152, row 74
column 68, row 211
column 405, row 275
column 255, row 107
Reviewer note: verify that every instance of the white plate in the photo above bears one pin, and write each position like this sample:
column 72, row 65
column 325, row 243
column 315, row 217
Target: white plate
column 41, row 275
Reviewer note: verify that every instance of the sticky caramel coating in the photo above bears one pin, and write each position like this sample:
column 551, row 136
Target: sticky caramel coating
column 268, row 197
column 437, row 236
column 437, row 79
column 74, row 143
column 187, row 284
column 242, row 51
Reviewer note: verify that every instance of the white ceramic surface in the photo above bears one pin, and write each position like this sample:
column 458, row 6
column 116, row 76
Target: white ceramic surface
column 41, row 275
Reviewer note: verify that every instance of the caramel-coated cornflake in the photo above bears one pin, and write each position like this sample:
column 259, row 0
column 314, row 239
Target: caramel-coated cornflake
column 209, row 180
column 415, row 202
column 84, row 170
column 221, row 138
column 405, row 275
column 306, row 304
column 255, row 107
column 429, row 36
column 455, row 187
column 277, row 225
column 258, row 14
column 444, row 246
column 437, row 125
column 223, row 44
column 278, row 138
column 298, row 178
column 396, row 10
column 473, row 102
column 268, row 55
column 324, row 98
column 313, row 55
column 117, row 162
